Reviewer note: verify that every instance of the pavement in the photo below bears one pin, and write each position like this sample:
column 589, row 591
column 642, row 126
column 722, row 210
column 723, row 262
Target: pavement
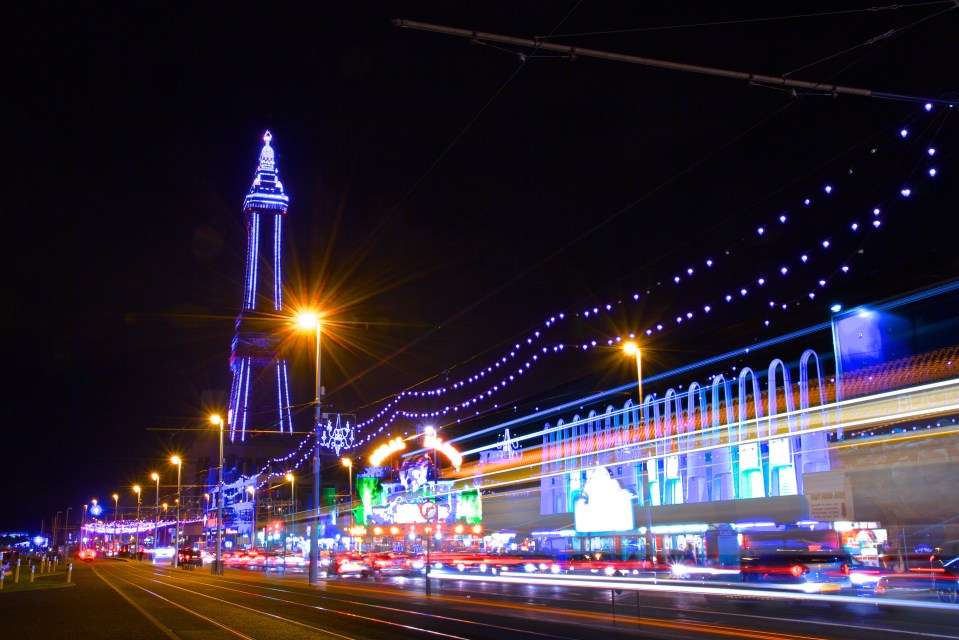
column 82, row 609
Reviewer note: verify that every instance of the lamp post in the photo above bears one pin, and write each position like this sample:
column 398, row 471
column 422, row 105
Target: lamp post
column 429, row 433
column 348, row 463
column 632, row 349
column 116, row 523
column 176, row 532
column 55, row 535
column 312, row 321
column 217, row 421
column 66, row 534
column 83, row 524
column 156, row 518
column 292, row 480
column 94, row 511
column 136, row 490
column 252, row 490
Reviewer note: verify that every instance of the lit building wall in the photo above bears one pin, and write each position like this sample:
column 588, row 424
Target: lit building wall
column 731, row 439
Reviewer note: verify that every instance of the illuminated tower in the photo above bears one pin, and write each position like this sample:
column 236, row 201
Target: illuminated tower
column 259, row 396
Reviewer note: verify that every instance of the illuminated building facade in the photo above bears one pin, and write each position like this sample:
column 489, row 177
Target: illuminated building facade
column 259, row 395
column 858, row 431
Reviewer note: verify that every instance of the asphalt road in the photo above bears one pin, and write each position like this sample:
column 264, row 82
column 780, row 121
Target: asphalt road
column 115, row 599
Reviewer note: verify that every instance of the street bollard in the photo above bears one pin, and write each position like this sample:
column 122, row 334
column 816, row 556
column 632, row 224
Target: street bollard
column 31, row 574
column 16, row 573
column 1, row 577
column 69, row 571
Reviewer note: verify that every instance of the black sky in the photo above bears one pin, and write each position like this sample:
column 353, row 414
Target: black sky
column 446, row 197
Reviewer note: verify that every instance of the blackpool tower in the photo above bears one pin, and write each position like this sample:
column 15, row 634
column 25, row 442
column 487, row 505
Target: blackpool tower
column 259, row 395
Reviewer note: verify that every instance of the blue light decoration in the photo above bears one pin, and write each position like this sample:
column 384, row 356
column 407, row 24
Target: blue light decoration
column 337, row 436
column 96, row 510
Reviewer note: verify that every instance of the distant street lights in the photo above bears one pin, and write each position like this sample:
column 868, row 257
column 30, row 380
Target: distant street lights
column 136, row 490
column 176, row 532
column 217, row 421
column 311, row 321
column 632, row 349
column 156, row 519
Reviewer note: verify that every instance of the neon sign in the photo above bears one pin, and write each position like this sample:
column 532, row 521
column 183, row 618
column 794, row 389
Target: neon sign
column 432, row 441
column 386, row 450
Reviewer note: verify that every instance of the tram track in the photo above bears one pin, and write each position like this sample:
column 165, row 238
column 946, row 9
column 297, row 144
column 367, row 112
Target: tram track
column 167, row 580
column 386, row 611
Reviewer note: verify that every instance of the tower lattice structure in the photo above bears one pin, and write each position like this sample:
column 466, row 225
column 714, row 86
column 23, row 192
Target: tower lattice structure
column 259, row 395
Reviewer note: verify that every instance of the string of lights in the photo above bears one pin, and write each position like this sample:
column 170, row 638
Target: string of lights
column 852, row 228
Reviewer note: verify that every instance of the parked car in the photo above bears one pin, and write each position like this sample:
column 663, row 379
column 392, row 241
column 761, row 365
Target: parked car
column 937, row 581
column 189, row 558
column 806, row 571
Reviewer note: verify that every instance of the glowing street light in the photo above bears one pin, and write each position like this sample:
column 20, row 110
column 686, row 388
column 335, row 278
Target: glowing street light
column 311, row 321
column 632, row 349
column 217, row 421
column 136, row 490
column 156, row 520
column 292, row 480
column 176, row 533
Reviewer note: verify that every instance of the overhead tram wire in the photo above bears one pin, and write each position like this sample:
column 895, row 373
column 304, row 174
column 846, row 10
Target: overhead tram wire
column 752, row 78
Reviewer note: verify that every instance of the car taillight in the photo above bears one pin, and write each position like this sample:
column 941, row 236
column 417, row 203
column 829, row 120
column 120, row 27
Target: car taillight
column 798, row 569
column 880, row 588
column 845, row 569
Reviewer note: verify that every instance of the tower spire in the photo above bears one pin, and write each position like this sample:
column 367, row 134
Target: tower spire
column 259, row 396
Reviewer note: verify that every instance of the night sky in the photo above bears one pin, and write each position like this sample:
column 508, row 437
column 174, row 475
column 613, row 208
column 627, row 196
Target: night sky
column 447, row 198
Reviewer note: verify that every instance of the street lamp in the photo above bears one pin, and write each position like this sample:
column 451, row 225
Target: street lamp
column 83, row 524
column 66, row 534
column 310, row 321
column 176, row 532
column 292, row 480
column 252, row 491
column 116, row 524
column 429, row 434
column 217, row 421
column 136, row 490
column 348, row 463
column 632, row 349
column 156, row 519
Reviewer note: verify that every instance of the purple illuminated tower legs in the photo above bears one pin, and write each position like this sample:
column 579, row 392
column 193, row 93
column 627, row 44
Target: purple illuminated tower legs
column 259, row 395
